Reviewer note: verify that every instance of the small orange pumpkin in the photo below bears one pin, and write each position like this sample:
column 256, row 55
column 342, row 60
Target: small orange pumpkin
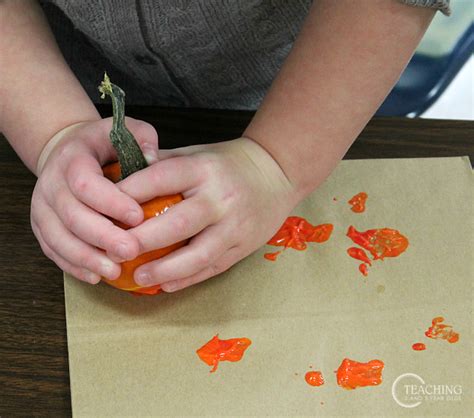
column 154, row 207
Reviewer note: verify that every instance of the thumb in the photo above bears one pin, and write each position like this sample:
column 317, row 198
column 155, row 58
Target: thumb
column 146, row 136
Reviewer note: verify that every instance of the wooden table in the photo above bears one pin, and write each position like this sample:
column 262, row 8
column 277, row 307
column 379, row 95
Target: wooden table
column 34, row 378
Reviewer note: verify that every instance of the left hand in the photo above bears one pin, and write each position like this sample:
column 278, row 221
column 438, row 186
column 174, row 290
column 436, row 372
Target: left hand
column 236, row 198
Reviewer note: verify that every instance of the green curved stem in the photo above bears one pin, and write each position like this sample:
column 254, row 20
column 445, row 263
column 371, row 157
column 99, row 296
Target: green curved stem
column 129, row 154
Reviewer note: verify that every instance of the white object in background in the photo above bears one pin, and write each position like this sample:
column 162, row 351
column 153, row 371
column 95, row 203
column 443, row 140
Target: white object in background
column 457, row 101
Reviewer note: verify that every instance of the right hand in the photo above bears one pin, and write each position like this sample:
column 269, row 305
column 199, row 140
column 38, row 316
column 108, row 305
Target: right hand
column 72, row 200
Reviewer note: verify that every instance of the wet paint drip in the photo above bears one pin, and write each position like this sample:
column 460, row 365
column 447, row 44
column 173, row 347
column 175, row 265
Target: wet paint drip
column 314, row 378
column 272, row 256
column 217, row 350
column 359, row 254
column 295, row 233
column 440, row 331
column 381, row 243
column 364, row 269
column 418, row 347
column 352, row 374
column 358, row 202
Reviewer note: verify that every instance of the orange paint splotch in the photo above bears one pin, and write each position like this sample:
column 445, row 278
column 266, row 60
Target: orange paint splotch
column 272, row 256
column 440, row 331
column 359, row 254
column 418, row 347
column 381, row 243
column 352, row 374
column 364, row 269
column 314, row 378
column 358, row 202
column 217, row 350
column 296, row 232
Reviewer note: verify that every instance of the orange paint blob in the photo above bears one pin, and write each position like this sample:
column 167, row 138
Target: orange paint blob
column 359, row 254
column 217, row 350
column 272, row 256
column 296, row 232
column 352, row 374
column 358, row 202
column 314, row 378
column 381, row 243
column 363, row 269
column 440, row 331
column 418, row 347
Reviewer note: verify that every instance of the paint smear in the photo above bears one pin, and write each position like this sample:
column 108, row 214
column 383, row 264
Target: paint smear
column 418, row 347
column 217, row 350
column 352, row 374
column 364, row 269
column 440, row 331
column 314, row 378
column 358, row 202
column 359, row 254
column 295, row 233
column 380, row 243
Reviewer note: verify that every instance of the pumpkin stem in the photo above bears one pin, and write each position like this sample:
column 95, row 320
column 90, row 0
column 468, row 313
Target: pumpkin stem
column 129, row 154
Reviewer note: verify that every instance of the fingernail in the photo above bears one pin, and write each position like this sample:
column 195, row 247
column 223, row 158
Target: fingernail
column 132, row 217
column 143, row 278
column 106, row 269
column 122, row 251
column 170, row 286
column 90, row 277
column 150, row 154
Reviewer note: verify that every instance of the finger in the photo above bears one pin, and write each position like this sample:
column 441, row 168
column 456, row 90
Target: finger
column 95, row 229
column 79, row 273
column 225, row 262
column 180, row 222
column 73, row 250
column 87, row 183
column 173, row 175
column 201, row 252
column 146, row 136
column 97, row 134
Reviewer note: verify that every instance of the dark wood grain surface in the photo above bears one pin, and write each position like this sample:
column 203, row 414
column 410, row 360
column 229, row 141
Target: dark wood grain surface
column 34, row 379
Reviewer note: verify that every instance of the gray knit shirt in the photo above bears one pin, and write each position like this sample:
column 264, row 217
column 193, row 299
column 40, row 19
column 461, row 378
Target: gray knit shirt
column 183, row 53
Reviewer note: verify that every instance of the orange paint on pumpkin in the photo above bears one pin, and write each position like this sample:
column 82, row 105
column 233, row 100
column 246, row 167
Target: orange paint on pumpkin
column 216, row 350
column 352, row 374
column 358, row 202
column 154, row 207
column 296, row 232
column 314, row 378
column 440, row 331
column 418, row 347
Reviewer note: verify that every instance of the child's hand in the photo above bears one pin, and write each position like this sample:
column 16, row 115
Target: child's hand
column 71, row 198
column 236, row 198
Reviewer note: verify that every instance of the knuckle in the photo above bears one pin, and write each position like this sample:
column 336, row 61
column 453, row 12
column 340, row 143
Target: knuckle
column 71, row 219
column 180, row 224
column 203, row 258
column 216, row 269
column 86, row 261
column 79, row 185
column 208, row 165
column 77, row 176
column 48, row 252
column 102, row 240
